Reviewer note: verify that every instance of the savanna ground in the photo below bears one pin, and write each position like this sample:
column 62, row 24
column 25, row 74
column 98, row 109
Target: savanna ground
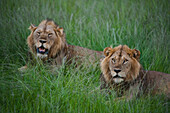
column 94, row 24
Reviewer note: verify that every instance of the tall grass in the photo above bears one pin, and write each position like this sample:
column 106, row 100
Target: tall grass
column 94, row 24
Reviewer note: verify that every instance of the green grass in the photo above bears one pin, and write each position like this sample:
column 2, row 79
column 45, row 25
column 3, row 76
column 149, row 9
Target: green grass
column 94, row 24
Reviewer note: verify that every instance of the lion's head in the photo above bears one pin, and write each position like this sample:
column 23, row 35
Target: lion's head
column 120, row 64
column 46, row 40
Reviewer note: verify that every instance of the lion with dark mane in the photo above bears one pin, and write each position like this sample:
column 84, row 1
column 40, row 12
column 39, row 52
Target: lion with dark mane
column 122, row 72
column 47, row 42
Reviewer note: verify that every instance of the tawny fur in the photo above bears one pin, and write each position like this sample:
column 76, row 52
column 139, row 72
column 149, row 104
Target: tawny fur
column 137, row 81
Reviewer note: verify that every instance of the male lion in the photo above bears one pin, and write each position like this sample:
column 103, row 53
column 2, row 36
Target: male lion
column 122, row 71
column 47, row 42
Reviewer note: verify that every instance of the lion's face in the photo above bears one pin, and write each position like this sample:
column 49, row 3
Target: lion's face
column 121, row 64
column 46, row 39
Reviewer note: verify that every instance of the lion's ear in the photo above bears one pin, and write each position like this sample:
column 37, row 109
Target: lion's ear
column 60, row 31
column 32, row 27
column 107, row 50
column 136, row 54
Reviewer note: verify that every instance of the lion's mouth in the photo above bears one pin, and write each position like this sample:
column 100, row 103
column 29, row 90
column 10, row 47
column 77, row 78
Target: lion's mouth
column 117, row 76
column 42, row 50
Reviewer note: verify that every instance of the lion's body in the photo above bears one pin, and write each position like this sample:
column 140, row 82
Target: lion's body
column 156, row 82
column 80, row 53
column 126, row 76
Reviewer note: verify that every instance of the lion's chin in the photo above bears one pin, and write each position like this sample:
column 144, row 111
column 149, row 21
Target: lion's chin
column 42, row 56
column 118, row 80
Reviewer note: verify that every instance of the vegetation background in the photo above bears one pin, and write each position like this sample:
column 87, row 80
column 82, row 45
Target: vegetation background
column 94, row 24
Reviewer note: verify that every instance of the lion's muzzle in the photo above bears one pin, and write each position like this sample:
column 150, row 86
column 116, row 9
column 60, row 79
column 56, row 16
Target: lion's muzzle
column 117, row 75
column 42, row 50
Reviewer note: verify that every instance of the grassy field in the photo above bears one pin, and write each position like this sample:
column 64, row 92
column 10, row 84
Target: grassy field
column 94, row 24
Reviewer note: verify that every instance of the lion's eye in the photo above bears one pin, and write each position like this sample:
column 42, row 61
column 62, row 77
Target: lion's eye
column 38, row 33
column 125, row 61
column 113, row 60
column 50, row 34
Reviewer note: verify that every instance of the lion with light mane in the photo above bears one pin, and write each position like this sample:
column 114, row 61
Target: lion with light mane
column 47, row 42
column 122, row 72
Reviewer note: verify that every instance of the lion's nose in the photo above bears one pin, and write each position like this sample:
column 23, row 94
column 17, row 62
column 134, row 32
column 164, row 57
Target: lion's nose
column 43, row 41
column 117, row 70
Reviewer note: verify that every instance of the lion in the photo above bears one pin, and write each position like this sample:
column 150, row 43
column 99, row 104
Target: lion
column 122, row 72
column 47, row 43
